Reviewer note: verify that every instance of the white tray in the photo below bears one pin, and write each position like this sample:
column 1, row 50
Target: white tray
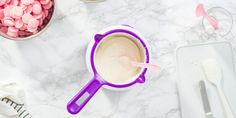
column 189, row 74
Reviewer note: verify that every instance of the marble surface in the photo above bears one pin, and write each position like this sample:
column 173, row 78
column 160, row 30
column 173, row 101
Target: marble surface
column 52, row 67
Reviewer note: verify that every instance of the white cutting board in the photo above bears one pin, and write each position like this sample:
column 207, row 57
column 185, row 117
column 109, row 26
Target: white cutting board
column 190, row 72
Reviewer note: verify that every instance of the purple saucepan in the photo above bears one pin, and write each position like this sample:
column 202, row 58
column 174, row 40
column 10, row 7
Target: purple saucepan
column 82, row 98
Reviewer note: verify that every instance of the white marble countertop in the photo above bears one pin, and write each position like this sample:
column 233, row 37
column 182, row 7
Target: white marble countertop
column 52, row 67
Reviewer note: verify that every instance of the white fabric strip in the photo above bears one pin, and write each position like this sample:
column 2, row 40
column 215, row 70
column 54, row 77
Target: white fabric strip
column 12, row 101
column 19, row 109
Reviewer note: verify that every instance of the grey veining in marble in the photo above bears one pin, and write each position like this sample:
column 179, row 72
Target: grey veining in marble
column 52, row 67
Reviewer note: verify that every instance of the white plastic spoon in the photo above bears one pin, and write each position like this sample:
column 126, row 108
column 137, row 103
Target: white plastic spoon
column 214, row 75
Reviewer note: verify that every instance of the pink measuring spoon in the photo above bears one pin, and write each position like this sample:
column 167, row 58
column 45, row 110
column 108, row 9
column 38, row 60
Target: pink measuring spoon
column 200, row 11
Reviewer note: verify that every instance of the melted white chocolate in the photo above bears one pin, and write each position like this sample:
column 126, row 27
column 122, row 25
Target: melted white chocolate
column 113, row 57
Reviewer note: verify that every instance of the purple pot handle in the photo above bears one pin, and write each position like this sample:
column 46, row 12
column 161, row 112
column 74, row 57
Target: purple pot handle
column 82, row 98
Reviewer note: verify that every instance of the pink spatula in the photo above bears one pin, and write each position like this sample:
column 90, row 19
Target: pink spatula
column 200, row 11
column 126, row 60
column 146, row 65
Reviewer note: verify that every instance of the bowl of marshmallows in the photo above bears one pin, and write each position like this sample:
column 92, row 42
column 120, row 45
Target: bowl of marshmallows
column 25, row 19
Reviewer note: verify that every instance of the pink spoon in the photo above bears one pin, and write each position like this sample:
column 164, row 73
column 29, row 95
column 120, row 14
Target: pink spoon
column 126, row 60
column 200, row 11
column 145, row 65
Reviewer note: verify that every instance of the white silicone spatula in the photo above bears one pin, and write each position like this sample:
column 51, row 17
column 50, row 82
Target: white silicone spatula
column 214, row 75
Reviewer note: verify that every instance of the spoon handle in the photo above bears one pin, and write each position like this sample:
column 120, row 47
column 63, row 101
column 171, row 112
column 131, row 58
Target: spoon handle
column 213, row 22
column 225, row 103
column 146, row 65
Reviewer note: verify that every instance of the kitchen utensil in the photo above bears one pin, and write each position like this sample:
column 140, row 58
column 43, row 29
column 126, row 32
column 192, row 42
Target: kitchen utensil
column 146, row 65
column 128, row 61
column 200, row 11
column 82, row 98
column 214, row 75
column 189, row 58
column 205, row 101
column 224, row 19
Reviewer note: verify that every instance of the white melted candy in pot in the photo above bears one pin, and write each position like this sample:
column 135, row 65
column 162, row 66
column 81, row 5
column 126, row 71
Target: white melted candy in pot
column 114, row 56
